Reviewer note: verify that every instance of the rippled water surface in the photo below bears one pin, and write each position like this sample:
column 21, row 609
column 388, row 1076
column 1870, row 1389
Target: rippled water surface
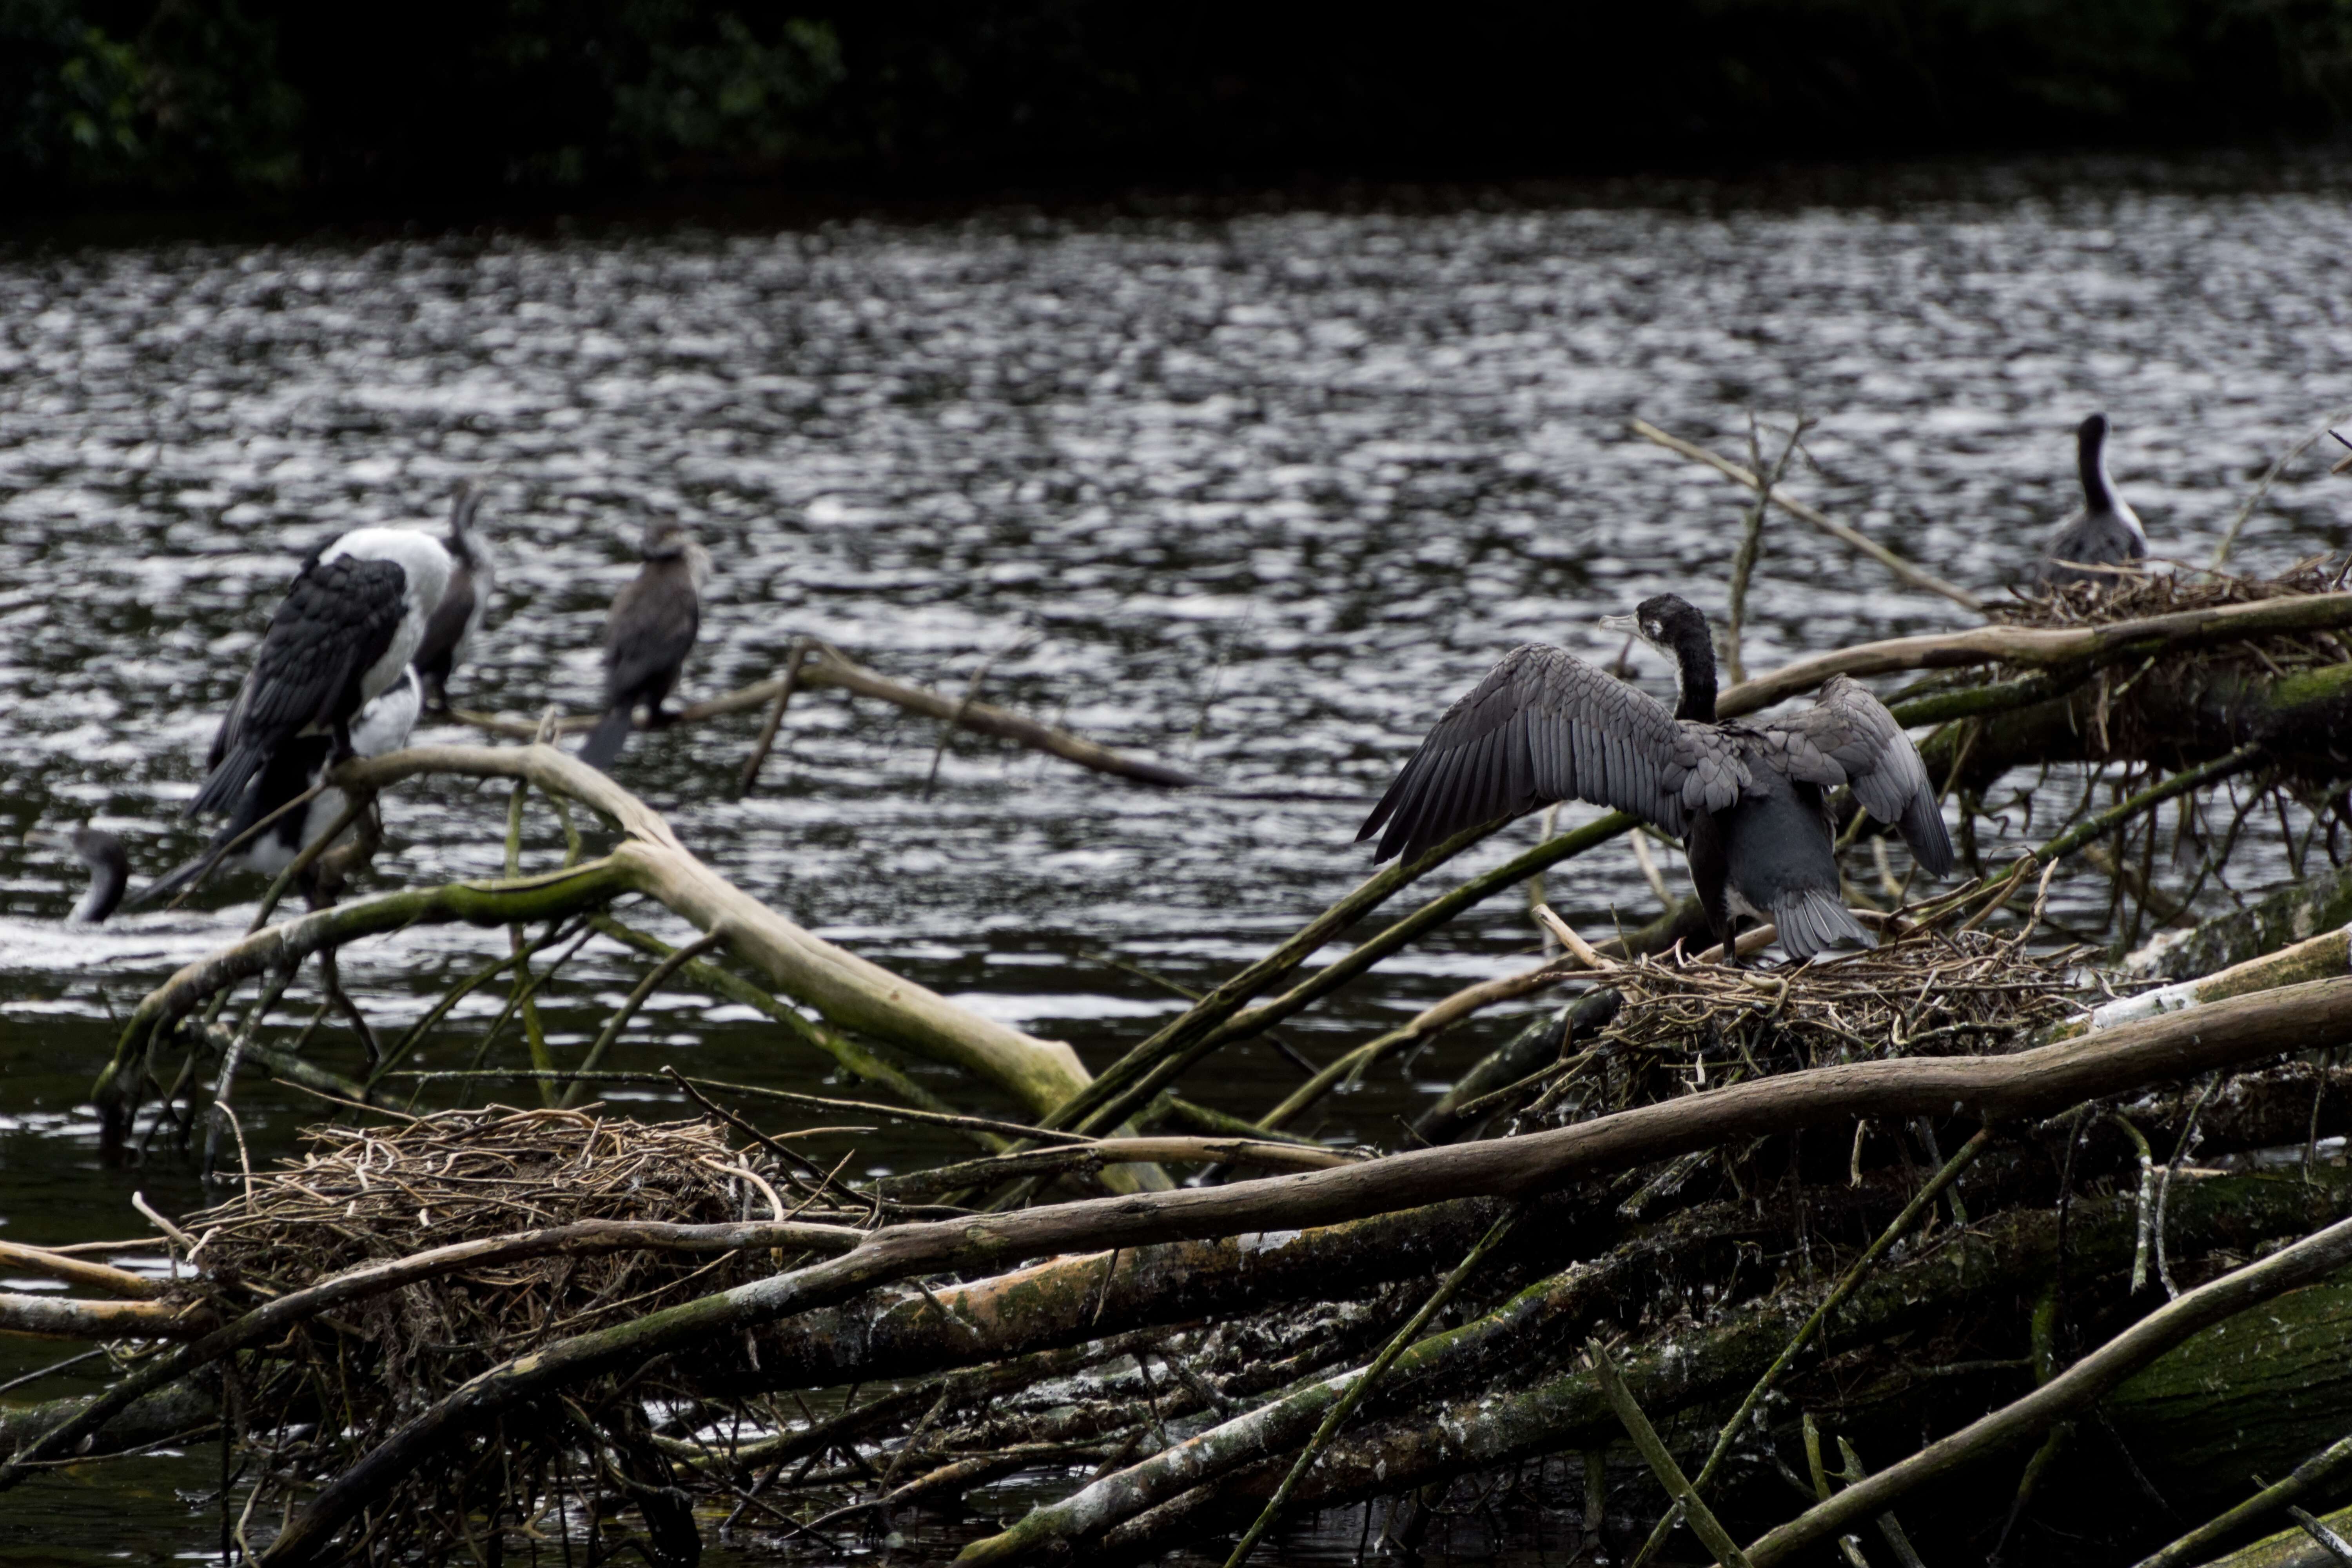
column 1259, row 495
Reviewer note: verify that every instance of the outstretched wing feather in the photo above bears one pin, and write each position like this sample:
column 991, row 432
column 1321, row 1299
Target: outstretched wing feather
column 1543, row 726
column 1848, row 737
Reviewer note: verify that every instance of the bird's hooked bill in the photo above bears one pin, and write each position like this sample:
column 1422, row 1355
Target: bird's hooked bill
column 1629, row 625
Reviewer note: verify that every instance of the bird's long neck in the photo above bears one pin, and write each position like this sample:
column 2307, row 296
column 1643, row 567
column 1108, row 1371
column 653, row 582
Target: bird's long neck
column 1695, row 677
column 107, row 881
column 2091, row 461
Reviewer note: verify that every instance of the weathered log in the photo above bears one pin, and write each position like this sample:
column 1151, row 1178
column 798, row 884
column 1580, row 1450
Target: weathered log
column 1055, row 1303
column 2294, row 913
column 2319, row 958
column 1518, row 1421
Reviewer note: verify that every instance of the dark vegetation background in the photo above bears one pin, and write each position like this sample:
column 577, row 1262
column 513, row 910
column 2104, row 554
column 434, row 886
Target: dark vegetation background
column 522, row 103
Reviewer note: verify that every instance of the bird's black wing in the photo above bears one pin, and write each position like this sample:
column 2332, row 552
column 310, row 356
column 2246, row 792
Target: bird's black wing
column 1848, row 737
column 655, row 619
column 1545, row 726
column 338, row 618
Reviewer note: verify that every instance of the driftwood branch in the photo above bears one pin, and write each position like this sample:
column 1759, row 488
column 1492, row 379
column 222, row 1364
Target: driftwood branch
column 1810, row 517
column 828, row 666
column 850, row 990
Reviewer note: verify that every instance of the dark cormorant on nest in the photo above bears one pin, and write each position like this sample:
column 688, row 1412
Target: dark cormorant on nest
column 1749, row 801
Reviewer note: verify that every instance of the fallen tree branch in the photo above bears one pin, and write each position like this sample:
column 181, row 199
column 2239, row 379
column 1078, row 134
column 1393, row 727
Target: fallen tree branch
column 79, row 1271
column 828, row 666
column 850, row 990
column 1810, row 517
column 2047, row 647
column 78, row 1317
column 2029, row 1083
column 1089, row 1157
column 2075, row 1389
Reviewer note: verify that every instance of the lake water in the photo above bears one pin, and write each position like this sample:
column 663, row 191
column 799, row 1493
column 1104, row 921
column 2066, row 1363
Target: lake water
column 1256, row 493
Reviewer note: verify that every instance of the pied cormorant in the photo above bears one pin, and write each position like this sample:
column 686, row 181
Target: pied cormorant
column 2107, row 532
column 381, row 726
column 450, row 633
column 1750, row 801
column 651, row 628
column 343, row 634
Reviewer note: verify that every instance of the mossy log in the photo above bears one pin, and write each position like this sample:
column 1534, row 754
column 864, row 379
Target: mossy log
column 2295, row 913
column 176, row 1411
column 2290, row 1548
column 2011, row 1256
column 2179, row 713
column 2251, row 1396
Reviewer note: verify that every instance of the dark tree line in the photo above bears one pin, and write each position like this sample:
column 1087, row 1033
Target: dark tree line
column 116, row 101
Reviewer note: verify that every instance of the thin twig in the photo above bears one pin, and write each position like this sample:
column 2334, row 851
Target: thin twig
column 1701, row 1519
column 1342, row 1407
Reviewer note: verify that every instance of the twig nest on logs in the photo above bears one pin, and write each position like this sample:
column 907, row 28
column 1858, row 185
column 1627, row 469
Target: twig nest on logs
column 2140, row 592
column 1927, row 994
column 368, row 1196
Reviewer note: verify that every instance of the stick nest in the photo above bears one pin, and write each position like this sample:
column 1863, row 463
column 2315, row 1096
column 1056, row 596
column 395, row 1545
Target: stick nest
column 2135, row 592
column 345, row 1381
column 1926, row 994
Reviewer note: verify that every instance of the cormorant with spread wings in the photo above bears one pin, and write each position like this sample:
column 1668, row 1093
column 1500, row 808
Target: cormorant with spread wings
column 1749, row 801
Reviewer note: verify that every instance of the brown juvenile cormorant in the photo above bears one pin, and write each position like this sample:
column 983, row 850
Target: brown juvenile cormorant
column 450, row 633
column 651, row 628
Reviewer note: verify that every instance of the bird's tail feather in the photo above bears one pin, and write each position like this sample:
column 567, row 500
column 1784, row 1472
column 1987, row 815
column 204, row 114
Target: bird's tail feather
column 227, row 780
column 164, row 887
column 1814, row 921
column 605, row 740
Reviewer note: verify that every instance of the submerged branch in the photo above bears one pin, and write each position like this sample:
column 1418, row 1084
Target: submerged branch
column 828, row 666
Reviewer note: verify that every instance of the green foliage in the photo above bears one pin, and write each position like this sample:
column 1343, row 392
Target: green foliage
column 193, row 100
column 444, row 101
column 73, row 94
column 727, row 94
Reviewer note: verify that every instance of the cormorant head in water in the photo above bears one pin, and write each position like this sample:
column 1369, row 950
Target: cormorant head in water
column 109, row 863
